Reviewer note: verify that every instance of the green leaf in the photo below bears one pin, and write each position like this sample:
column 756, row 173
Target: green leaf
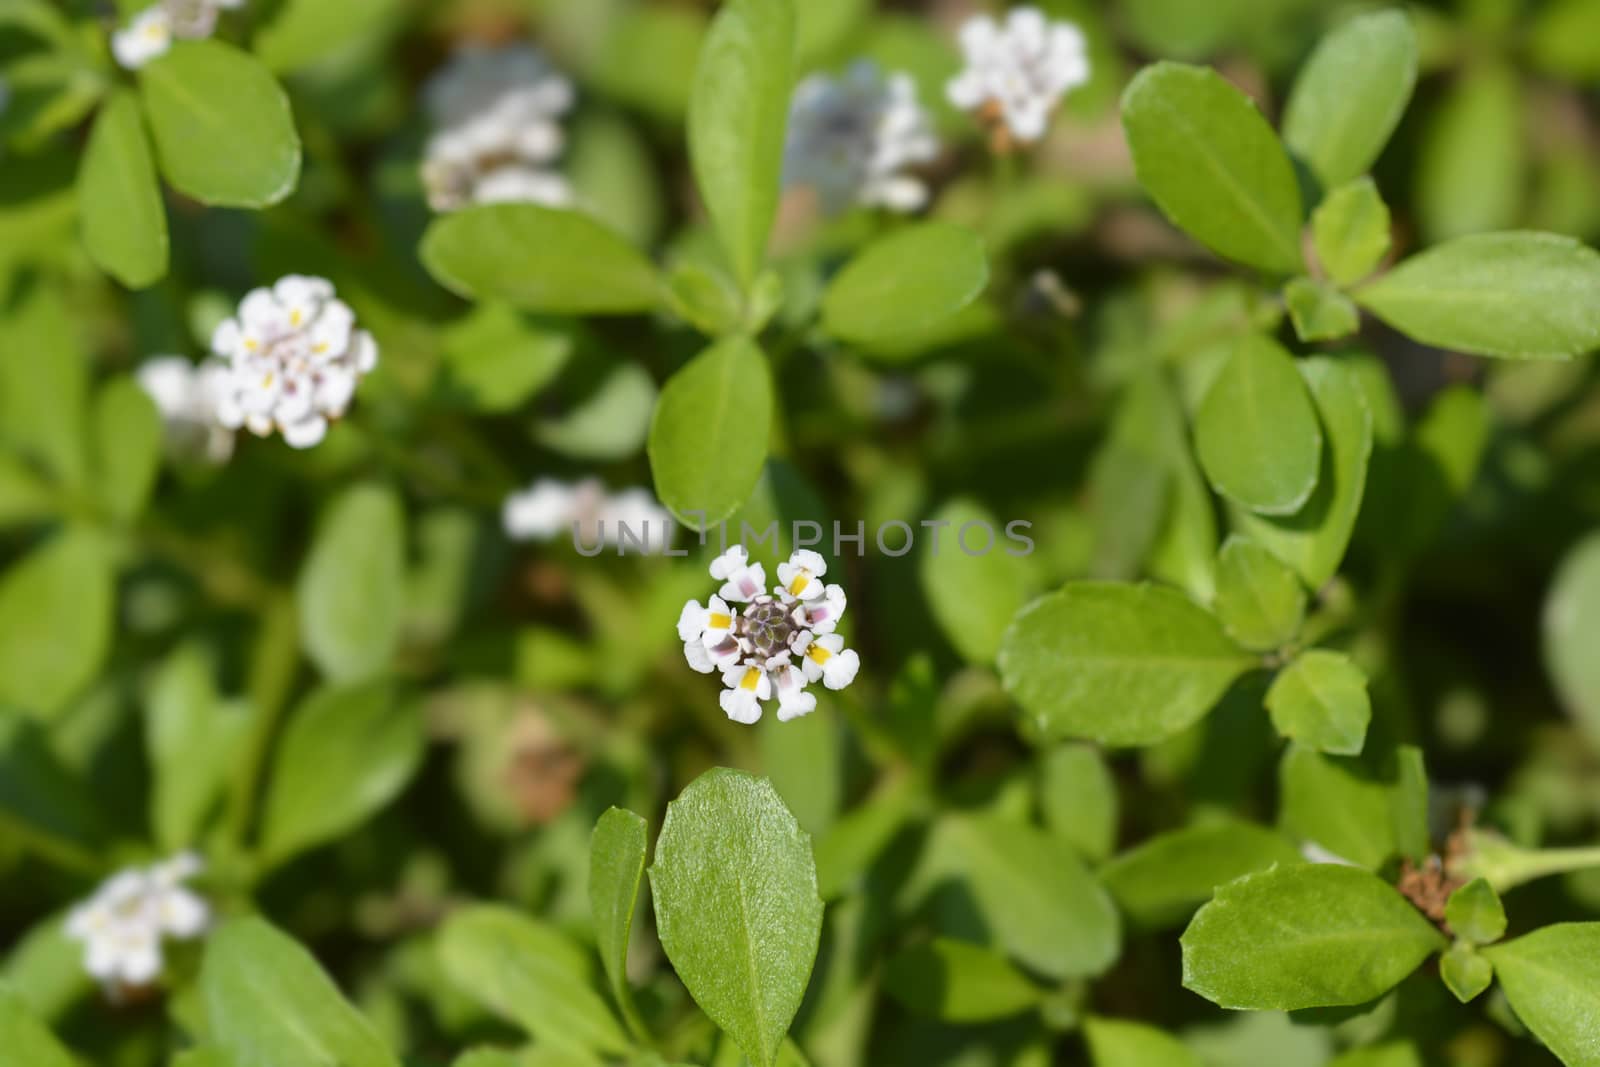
column 1475, row 913
column 1472, row 158
column 1552, row 979
column 1313, row 540
column 1116, row 1043
column 540, row 259
column 1257, row 433
column 1521, row 295
column 609, row 422
column 1260, row 601
column 1120, row 664
column 907, row 283
column 1350, row 230
column 190, row 739
column 708, row 439
column 737, row 908
column 43, row 400
column 1213, row 165
column 1320, row 700
column 974, row 595
column 958, row 982
column 527, row 971
column 57, row 613
column 127, row 435
column 1320, row 312
column 1311, row 936
column 1350, row 94
column 1035, row 898
column 497, row 358
column 351, row 589
column 1466, row 974
column 346, row 754
column 1078, row 799
column 1162, row 881
column 1571, row 619
column 1344, row 805
column 40, row 797
column 26, row 1039
column 222, row 125
column 269, row 1003
column 616, row 865
column 1564, row 40
column 737, row 117
column 1388, row 1054
column 124, row 220
column 304, row 32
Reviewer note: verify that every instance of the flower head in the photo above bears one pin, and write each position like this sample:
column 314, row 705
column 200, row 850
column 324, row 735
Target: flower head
column 771, row 645
column 853, row 138
column 187, row 396
column 496, row 118
column 1017, row 72
column 629, row 520
column 294, row 359
column 124, row 923
column 153, row 30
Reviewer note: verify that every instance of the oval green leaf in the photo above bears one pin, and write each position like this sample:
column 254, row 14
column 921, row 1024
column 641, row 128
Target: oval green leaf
column 1162, row 881
column 1117, row 663
column 1350, row 95
column 222, row 125
column 1115, row 1043
column 25, row 1038
column 738, row 112
column 958, row 982
column 1350, row 230
column 1259, row 598
column 1521, row 295
column 269, row 1003
column 540, row 259
column 1311, row 936
column 737, row 908
column 351, row 590
column 616, row 865
column 57, row 608
column 907, row 283
column 1257, row 434
column 347, row 753
column 1314, row 539
column 1320, row 700
column 1552, row 979
column 973, row 596
column 124, row 220
column 708, row 438
column 1571, row 619
column 529, row 972
column 1213, row 165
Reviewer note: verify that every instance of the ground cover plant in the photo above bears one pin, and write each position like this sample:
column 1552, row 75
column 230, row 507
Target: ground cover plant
column 561, row 533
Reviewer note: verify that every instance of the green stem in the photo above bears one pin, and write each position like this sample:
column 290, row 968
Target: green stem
column 272, row 671
column 1506, row 866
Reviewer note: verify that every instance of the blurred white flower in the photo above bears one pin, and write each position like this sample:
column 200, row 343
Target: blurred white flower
column 755, row 645
column 153, row 30
column 1017, row 72
column 188, row 396
column 123, row 924
column 496, row 119
column 630, row 520
column 853, row 138
column 294, row 360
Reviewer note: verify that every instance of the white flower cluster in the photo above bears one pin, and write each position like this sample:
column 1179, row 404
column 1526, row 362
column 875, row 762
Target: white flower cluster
column 123, row 924
column 153, row 30
column 188, row 395
column 1017, row 72
column 754, row 646
column 294, row 358
column 853, row 138
column 496, row 118
column 589, row 514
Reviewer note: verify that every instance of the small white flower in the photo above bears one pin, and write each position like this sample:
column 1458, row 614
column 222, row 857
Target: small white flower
column 496, row 118
column 187, row 397
column 294, row 359
column 123, row 924
column 153, row 30
column 754, row 645
column 630, row 520
column 742, row 580
column 828, row 659
column 852, row 139
column 1017, row 72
